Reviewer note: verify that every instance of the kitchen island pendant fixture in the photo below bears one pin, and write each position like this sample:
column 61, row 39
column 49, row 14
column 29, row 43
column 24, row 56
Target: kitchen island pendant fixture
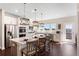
column 24, row 20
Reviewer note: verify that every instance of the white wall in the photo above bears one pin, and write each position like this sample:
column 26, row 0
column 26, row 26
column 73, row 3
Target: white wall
column 0, row 29
column 78, row 29
column 10, row 19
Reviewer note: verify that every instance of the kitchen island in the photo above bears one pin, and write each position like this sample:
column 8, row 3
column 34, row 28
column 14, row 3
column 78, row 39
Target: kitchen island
column 20, row 43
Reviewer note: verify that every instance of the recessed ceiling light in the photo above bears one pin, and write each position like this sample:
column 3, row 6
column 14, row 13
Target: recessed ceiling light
column 16, row 10
column 33, row 11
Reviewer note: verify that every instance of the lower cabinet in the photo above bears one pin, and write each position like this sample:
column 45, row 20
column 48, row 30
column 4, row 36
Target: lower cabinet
column 13, row 49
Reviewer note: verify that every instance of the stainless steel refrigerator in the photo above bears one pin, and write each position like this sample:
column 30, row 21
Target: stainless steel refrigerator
column 10, row 31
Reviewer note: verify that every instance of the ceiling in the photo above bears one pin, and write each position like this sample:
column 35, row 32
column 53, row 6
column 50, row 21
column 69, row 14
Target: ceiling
column 48, row 10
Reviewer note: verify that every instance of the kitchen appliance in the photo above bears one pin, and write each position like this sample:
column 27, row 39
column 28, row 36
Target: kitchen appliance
column 10, row 31
column 22, row 31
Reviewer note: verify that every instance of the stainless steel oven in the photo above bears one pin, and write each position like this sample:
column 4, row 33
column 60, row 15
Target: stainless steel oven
column 22, row 31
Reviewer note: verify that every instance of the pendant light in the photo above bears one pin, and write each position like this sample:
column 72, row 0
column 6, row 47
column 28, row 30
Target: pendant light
column 24, row 10
column 35, row 10
column 41, row 24
column 41, row 16
column 24, row 20
column 35, row 21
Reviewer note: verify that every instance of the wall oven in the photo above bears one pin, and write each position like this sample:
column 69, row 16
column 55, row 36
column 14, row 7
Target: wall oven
column 22, row 31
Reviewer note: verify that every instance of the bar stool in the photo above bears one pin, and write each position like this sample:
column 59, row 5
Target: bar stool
column 30, row 49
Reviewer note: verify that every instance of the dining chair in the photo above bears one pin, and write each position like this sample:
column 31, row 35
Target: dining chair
column 41, row 45
column 30, row 49
column 48, row 41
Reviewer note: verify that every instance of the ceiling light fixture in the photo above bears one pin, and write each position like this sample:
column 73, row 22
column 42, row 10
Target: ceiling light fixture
column 24, row 10
column 24, row 20
column 35, row 10
column 41, row 16
column 35, row 22
column 16, row 10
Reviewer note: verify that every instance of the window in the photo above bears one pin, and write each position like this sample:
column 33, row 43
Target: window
column 50, row 26
column 53, row 26
column 68, row 26
column 68, row 31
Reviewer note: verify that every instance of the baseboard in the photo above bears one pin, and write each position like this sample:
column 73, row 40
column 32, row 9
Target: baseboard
column 64, row 42
column 2, row 48
column 57, row 42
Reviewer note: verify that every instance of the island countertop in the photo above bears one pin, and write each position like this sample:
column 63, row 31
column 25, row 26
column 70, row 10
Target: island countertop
column 21, row 40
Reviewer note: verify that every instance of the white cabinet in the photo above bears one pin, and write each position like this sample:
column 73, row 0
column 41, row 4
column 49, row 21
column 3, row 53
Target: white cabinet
column 10, row 19
column 23, row 27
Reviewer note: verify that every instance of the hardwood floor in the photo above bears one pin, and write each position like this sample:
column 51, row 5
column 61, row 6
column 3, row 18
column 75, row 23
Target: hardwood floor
column 55, row 50
column 63, row 50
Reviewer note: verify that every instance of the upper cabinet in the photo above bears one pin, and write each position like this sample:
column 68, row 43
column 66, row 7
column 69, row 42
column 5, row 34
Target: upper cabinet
column 10, row 20
column 14, row 19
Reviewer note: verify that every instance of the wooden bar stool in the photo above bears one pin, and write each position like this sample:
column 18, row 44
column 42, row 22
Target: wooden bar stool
column 41, row 45
column 30, row 49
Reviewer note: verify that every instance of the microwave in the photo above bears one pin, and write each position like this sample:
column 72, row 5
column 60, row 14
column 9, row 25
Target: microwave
column 22, row 29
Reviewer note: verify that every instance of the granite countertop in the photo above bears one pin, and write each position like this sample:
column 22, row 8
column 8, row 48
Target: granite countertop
column 21, row 40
